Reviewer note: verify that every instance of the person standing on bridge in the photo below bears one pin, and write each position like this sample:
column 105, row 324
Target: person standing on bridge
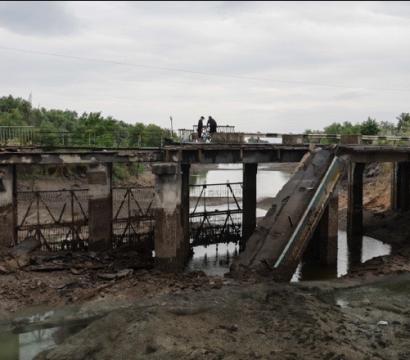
column 200, row 127
column 212, row 125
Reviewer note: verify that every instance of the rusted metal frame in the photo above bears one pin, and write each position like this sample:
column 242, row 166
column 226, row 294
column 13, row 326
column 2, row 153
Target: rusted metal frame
column 79, row 203
column 215, row 212
column 79, row 222
column 211, row 227
column 136, row 202
column 223, row 227
column 125, row 230
column 62, row 213
column 41, row 235
column 199, row 230
column 199, row 198
column 46, row 207
column 233, row 195
column 150, row 204
column 217, row 184
column 27, row 212
column 120, row 207
column 236, row 227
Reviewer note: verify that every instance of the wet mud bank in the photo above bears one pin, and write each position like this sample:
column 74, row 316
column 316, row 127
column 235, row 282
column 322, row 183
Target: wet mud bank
column 259, row 321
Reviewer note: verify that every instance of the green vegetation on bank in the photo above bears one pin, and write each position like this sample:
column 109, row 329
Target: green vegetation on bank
column 65, row 127
column 369, row 127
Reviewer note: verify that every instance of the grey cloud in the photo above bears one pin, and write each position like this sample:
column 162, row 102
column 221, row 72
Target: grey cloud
column 352, row 45
column 36, row 18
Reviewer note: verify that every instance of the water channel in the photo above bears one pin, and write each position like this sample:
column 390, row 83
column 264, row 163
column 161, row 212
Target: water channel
column 216, row 259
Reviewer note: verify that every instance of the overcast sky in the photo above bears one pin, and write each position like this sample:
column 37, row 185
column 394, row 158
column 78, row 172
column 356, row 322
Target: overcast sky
column 277, row 67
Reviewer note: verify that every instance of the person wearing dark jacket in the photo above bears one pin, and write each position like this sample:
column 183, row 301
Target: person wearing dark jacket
column 212, row 125
column 200, row 127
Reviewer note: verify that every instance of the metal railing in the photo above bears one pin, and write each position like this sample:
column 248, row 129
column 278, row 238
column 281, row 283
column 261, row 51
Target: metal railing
column 17, row 135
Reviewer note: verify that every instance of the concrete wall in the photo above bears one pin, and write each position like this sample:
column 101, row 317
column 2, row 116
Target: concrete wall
column 100, row 206
column 171, row 232
column 8, row 206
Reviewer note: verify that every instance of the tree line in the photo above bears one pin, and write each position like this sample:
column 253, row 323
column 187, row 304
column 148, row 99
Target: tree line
column 66, row 127
column 368, row 127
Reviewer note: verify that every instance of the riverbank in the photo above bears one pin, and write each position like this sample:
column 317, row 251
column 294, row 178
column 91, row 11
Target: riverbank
column 277, row 321
column 363, row 315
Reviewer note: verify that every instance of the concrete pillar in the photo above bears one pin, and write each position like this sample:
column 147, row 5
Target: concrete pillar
column 8, row 205
column 288, row 139
column 248, row 202
column 100, row 206
column 185, row 168
column 171, row 234
column 350, row 139
column 322, row 248
column 401, row 186
column 355, row 211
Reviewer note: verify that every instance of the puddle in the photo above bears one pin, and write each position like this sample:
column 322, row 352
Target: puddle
column 371, row 248
column 214, row 260
column 25, row 345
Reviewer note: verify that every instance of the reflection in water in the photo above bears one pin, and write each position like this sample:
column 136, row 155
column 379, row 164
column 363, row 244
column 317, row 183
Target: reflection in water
column 213, row 259
column 216, row 260
column 371, row 248
column 25, row 346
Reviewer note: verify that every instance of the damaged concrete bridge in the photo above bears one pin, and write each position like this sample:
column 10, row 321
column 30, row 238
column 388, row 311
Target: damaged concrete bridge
column 302, row 221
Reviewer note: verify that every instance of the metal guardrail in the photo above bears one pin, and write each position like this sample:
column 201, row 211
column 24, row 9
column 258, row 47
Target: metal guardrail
column 32, row 136
column 16, row 135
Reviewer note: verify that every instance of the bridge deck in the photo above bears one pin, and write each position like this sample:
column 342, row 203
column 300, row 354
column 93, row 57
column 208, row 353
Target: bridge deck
column 192, row 153
column 196, row 153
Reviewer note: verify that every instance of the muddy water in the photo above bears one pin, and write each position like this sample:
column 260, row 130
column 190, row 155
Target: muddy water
column 26, row 345
column 215, row 260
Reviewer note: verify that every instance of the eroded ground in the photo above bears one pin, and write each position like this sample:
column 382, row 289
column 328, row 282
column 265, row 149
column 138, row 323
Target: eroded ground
column 364, row 315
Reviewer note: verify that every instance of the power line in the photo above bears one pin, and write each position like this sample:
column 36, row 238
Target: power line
column 195, row 72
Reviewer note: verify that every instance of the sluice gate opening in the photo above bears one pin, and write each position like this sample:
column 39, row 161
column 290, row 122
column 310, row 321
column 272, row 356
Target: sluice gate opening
column 56, row 218
column 215, row 215
column 133, row 217
column 59, row 219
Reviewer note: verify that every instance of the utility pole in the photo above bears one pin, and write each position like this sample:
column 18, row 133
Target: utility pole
column 172, row 128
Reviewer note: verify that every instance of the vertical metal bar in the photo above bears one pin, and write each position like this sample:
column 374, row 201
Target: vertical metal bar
column 129, row 216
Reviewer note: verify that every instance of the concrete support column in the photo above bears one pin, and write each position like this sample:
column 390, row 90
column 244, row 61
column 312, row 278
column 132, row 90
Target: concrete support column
column 100, row 206
column 185, row 168
column 8, row 205
column 288, row 139
column 401, row 186
column 171, row 234
column 350, row 139
column 248, row 202
column 355, row 211
column 322, row 248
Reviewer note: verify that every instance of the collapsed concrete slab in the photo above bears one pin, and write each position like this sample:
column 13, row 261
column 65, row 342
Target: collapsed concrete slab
column 277, row 245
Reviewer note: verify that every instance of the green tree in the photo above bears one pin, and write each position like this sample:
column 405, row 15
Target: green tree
column 369, row 127
column 403, row 125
